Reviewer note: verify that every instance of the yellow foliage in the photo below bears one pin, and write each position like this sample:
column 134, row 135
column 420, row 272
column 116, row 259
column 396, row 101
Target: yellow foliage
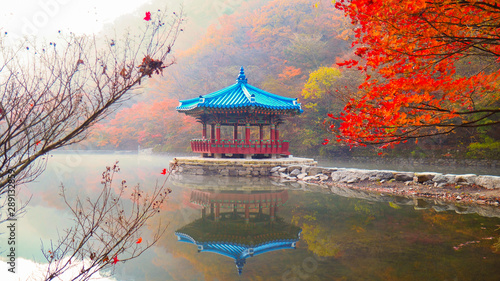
column 320, row 81
column 319, row 241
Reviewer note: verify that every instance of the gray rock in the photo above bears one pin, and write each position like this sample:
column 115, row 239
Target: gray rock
column 439, row 178
column 301, row 176
column 323, row 177
column 309, row 178
column 295, row 172
column 404, row 177
column 315, row 170
column 305, row 169
column 381, row 175
column 275, row 169
column 489, row 182
column 465, row 179
column 282, row 170
column 337, row 176
column 293, row 167
column 450, row 178
column 327, row 171
column 424, row 177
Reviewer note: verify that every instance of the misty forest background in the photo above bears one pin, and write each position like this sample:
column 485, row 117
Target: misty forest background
column 287, row 47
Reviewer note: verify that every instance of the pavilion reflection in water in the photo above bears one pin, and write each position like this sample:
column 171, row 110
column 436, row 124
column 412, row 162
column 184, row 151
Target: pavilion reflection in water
column 239, row 224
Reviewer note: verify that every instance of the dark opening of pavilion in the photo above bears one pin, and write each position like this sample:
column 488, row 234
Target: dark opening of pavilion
column 241, row 106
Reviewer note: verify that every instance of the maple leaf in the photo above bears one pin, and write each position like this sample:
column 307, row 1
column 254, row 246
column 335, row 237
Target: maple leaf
column 115, row 260
column 164, row 172
column 139, row 240
column 415, row 46
column 148, row 16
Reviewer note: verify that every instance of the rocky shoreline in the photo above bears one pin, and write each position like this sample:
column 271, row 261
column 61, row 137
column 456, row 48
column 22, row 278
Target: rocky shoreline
column 464, row 189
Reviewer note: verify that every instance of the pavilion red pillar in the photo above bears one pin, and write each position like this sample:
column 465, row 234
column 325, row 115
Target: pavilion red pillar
column 277, row 132
column 204, row 131
column 217, row 211
column 217, row 132
column 247, row 132
column 272, row 136
column 235, row 132
column 212, row 132
column 271, row 211
column 247, row 213
column 217, row 154
column 261, row 132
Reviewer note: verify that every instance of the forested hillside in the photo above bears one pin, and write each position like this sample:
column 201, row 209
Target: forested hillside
column 287, row 47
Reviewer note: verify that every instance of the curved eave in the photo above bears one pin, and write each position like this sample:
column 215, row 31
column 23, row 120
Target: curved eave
column 239, row 96
column 297, row 108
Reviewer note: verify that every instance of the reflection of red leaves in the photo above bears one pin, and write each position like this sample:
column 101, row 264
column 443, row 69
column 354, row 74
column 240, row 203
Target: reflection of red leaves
column 148, row 16
column 38, row 142
column 164, row 172
column 325, row 141
column 139, row 240
column 115, row 260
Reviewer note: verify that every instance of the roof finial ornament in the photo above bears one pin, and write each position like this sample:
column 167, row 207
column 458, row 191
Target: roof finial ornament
column 241, row 77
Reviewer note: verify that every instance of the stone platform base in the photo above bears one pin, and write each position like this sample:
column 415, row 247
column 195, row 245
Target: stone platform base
column 235, row 167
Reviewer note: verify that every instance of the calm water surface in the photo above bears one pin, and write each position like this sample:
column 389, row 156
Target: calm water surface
column 299, row 233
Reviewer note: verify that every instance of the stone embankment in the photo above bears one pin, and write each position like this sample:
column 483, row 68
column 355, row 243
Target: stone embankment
column 468, row 188
column 345, row 175
column 464, row 188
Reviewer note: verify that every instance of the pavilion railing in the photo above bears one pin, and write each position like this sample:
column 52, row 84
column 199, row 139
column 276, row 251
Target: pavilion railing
column 240, row 146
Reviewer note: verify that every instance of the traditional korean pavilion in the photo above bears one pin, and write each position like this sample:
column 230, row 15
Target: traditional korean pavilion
column 237, row 227
column 244, row 106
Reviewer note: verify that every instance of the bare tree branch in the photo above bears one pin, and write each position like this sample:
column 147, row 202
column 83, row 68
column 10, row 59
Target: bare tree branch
column 51, row 94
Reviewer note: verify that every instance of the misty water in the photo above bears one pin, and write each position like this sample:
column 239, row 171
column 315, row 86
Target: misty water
column 313, row 234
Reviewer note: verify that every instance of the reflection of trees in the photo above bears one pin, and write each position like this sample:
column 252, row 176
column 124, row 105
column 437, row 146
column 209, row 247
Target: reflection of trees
column 377, row 241
column 319, row 241
column 107, row 229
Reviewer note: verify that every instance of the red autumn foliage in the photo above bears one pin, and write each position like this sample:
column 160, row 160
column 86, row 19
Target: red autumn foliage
column 414, row 53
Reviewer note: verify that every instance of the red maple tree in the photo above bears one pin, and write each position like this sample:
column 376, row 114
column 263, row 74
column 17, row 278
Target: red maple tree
column 431, row 66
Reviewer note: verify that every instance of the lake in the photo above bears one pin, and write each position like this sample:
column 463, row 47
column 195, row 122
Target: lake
column 259, row 229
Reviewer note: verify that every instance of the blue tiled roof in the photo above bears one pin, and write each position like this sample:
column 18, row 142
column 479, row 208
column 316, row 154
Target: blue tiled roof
column 240, row 95
column 239, row 252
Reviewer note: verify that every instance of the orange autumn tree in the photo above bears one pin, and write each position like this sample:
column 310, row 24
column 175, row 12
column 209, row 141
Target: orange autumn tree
column 431, row 67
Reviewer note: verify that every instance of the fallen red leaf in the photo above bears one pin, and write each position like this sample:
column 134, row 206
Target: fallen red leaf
column 148, row 16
